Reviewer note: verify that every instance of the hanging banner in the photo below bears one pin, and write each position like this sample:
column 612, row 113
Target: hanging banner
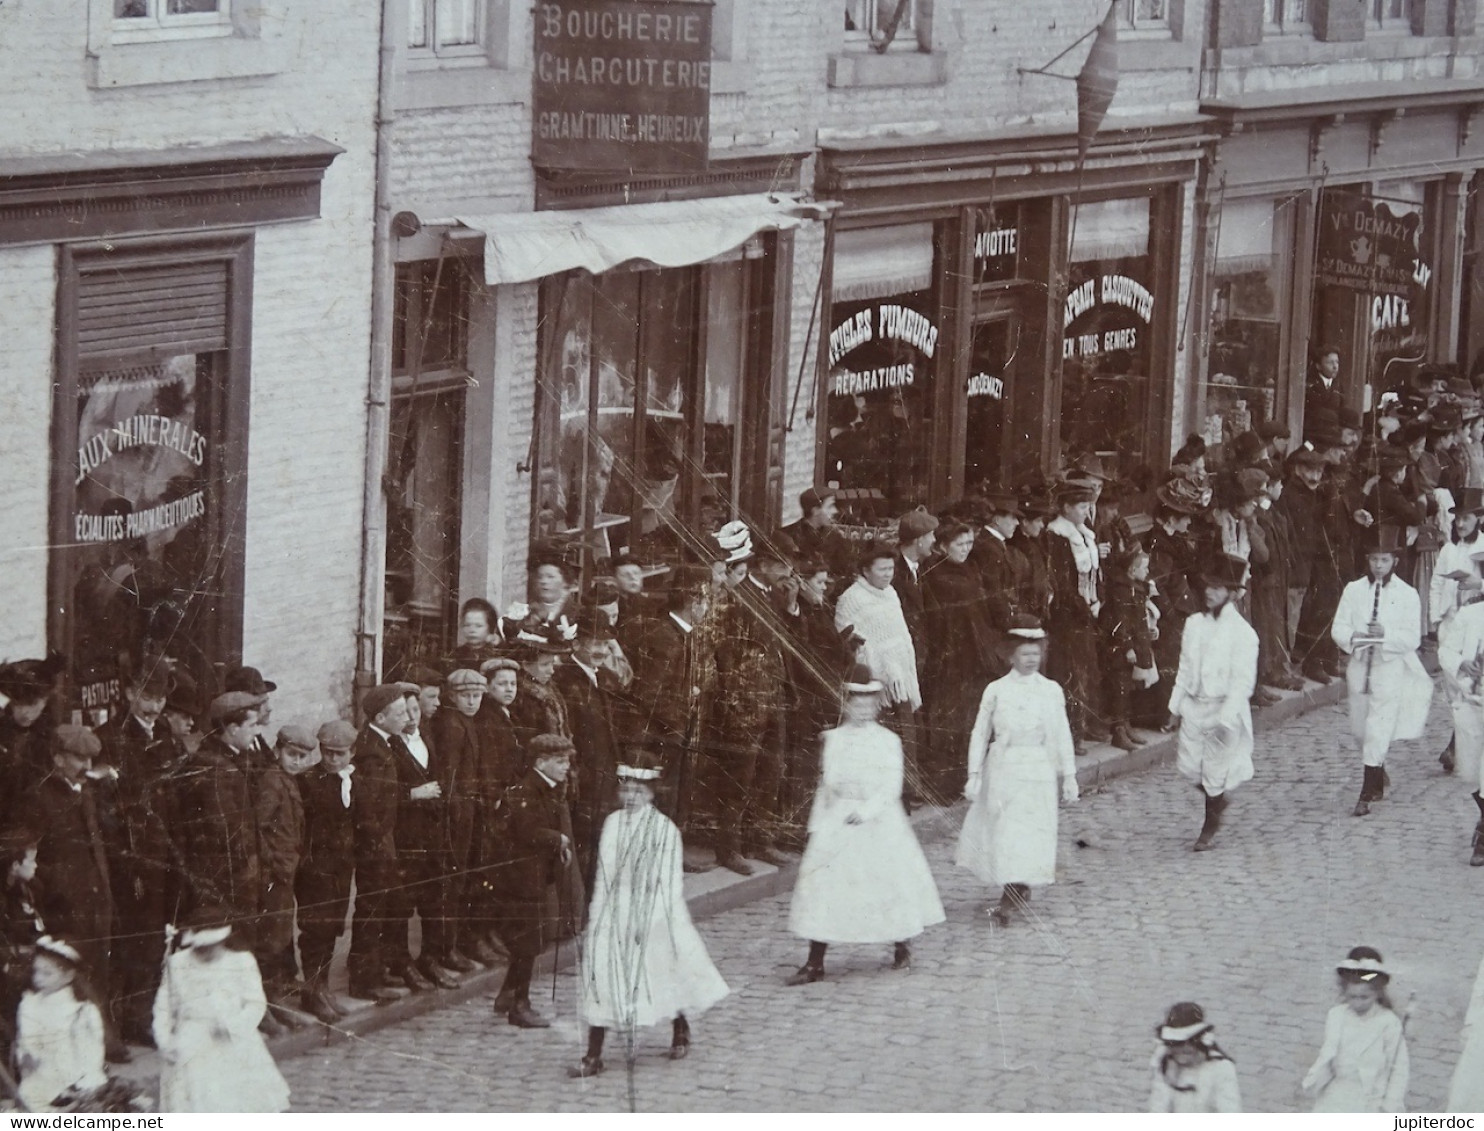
column 1368, row 244
column 622, row 86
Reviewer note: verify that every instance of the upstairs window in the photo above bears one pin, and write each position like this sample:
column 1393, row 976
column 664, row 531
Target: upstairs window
column 881, row 24
column 445, row 27
column 136, row 20
column 1391, row 15
column 1144, row 15
column 1285, row 16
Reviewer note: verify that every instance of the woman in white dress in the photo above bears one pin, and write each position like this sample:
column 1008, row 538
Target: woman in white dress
column 644, row 961
column 1363, row 1064
column 59, row 1030
column 863, row 878
column 1021, row 744
column 1191, row 1073
column 206, row 1019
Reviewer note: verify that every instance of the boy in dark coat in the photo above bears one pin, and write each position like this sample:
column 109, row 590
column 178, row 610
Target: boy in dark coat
column 374, row 814
column 1128, row 640
column 459, row 764
column 280, row 812
column 541, row 892
column 323, row 881
column 589, row 691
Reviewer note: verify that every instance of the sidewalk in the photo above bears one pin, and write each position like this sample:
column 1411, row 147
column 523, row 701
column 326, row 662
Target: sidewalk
column 711, row 893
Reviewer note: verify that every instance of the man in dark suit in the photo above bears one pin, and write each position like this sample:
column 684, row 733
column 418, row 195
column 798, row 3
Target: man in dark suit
column 374, row 807
column 423, row 851
column 667, row 685
column 815, row 535
column 914, row 545
column 589, row 689
column 503, row 763
column 541, row 894
column 141, row 748
column 1323, row 393
column 322, row 886
column 1001, row 568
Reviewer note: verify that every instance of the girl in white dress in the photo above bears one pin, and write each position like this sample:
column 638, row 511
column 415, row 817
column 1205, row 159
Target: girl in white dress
column 59, row 1031
column 863, row 878
column 206, row 1019
column 1021, row 744
column 644, row 961
column 1191, row 1073
column 1363, row 1064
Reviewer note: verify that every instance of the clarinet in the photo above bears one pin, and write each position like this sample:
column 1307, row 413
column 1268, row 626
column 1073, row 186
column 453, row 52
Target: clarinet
column 1370, row 652
column 1478, row 663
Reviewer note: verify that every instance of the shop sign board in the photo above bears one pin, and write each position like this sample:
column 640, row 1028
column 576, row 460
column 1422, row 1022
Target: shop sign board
column 1106, row 314
column 996, row 245
column 883, row 342
column 1368, row 244
column 622, row 86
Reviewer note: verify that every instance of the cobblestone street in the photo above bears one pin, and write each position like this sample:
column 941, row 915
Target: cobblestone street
column 1056, row 1013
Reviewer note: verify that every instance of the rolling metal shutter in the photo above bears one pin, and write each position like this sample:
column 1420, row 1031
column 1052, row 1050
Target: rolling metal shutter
column 163, row 310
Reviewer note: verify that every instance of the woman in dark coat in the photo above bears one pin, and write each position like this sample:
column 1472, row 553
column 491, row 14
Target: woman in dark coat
column 1076, row 592
column 1173, row 569
column 961, row 658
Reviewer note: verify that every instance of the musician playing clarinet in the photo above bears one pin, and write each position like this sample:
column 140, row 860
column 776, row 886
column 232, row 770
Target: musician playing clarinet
column 1379, row 624
column 1461, row 656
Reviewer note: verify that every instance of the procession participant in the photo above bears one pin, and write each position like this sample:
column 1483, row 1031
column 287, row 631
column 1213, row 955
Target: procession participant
column 206, row 1026
column 1212, row 693
column 1076, row 596
column 423, row 852
column 25, row 728
column 1363, row 1064
column 872, row 609
column 590, row 692
column 459, row 757
column 1191, row 1073
column 1461, row 658
column 279, row 806
column 863, row 878
column 538, row 707
column 374, row 803
column 1020, row 746
column 644, row 961
column 1457, row 579
column 541, row 889
column 1379, row 624
column 59, row 1031
column 1466, row 1091
column 322, row 885
column 1129, row 622
column 141, row 748
column 1174, row 577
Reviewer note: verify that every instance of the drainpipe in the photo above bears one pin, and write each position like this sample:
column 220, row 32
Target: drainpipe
column 379, row 389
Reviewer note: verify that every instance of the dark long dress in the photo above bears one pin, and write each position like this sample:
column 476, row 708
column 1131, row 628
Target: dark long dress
column 1073, row 631
column 962, row 658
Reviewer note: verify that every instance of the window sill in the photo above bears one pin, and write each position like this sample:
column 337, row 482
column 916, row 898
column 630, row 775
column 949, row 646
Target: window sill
column 728, row 77
column 1151, row 54
column 437, row 87
column 892, row 69
column 179, row 61
column 1293, row 50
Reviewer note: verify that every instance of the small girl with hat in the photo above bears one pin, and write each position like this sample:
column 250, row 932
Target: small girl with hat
column 1191, row 1073
column 863, row 878
column 206, row 1019
column 59, row 1030
column 1021, row 744
column 1363, row 1064
column 644, row 961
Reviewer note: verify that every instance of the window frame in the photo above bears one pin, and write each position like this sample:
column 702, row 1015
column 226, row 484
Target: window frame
column 1281, row 24
column 908, row 33
column 1377, row 20
column 1131, row 24
column 432, row 51
column 159, row 25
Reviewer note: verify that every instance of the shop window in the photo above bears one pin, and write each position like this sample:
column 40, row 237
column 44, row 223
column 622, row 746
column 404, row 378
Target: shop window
column 1285, row 17
column 138, row 20
column 149, row 470
column 425, row 461
column 1253, row 263
column 643, row 405
column 1144, row 15
column 1391, row 15
column 443, row 28
column 883, row 353
column 1108, row 328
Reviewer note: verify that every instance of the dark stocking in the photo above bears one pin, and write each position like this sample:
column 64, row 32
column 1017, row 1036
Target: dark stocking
column 680, row 1031
column 816, row 955
column 1479, row 801
column 595, row 1035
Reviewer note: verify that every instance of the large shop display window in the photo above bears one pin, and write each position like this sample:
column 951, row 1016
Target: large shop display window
column 430, row 374
column 642, row 406
column 148, row 464
column 883, row 353
column 1254, row 242
column 1108, row 330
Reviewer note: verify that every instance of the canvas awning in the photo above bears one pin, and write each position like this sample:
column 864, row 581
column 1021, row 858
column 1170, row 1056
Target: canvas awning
column 524, row 246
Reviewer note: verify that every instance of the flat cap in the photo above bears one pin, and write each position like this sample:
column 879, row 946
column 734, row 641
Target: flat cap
column 299, row 737
column 382, row 696
column 465, row 679
column 72, row 739
column 231, row 701
column 337, row 735
column 914, row 524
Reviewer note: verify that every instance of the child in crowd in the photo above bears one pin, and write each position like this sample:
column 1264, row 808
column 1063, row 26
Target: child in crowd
column 59, row 1031
column 1129, row 622
column 280, row 810
column 206, row 1026
column 1363, row 1065
column 322, row 884
column 1191, row 1073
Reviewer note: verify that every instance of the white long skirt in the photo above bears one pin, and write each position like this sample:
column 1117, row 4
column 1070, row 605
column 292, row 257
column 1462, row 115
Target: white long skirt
column 1009, row 834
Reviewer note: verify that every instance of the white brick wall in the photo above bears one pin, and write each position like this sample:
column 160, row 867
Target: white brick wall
column 310, row 349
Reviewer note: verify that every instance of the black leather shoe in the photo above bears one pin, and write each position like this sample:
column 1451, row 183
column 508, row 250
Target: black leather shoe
column 439, row 977
column 504, row 1001
column 901, row 957
column 270, row 1026
column 484, row 954
column 804, row 975
column 1124, row 740
column 456, row 962
column 734, row 863
column 1362, row 808
column 413, row 978
column 680, row 1050
column 318, row 1006
column 770, row 855
column 1317, row 674
column 588, row 1066
column 1448, row 759
column 524, row 1017
column 380, row 995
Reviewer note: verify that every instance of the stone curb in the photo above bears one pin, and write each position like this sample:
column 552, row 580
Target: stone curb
column 714, row 892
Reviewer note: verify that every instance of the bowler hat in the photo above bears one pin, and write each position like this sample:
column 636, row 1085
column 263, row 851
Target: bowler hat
column 914, row 524
column 154, row 680
column 1273, row 430
column 250, row 680
column 1227, row 571
column 336, row 735
column 1349, row 418
column 184, row 697
column 1304, row 454
column 593, row 624
column 1001, row 502
column 72, row 739
column 26, row 681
